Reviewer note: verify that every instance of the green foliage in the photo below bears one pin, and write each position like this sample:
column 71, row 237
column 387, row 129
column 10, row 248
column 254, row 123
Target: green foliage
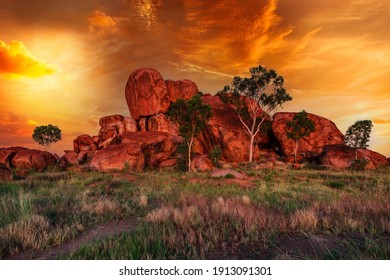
column 192, row 116
column 215, row 154
column 254, row 98
column 360, row 164
column 300, row 126
column 45, row 135
column 336, row 185
column 358, row 135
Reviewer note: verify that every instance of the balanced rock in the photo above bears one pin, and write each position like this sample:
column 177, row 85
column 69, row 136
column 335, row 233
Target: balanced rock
column 146, row 93
column 69, row 159
column 201, row 163
column 182, row 89
column 225, row 129
column 342, row 156
column 326, row 133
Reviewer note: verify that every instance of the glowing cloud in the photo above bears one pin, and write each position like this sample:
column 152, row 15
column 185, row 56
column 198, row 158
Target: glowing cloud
column 379, row 121
column 101, row 22
column 16, row 59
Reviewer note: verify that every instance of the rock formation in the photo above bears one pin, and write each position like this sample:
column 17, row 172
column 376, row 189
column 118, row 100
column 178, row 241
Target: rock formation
column 342, row 156
column 326, row 133
column 226, row 130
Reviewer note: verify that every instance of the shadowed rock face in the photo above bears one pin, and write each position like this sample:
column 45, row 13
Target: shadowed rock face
column 26, row 160
column 146, row 93
column 5, row 173
column 342, row 156
column 226, row 130
column 7, row 154
column 326, row 133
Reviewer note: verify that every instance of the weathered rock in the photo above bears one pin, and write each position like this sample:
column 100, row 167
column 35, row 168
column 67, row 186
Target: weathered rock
column 326, row 133
column 104, row 121
column 146, row 93
column 168, row 163
column 182, row 89
column 84, row 142
column 27, row 159
column 217, row 173
column 161, row 123
column 68, row 159
column 143, row 125
column 226, row 130
column 201, row 163
column 7, row 154
column 5, row 173
column 342, row 156
column 130, row 124
column 118, row 157
column 138, row 150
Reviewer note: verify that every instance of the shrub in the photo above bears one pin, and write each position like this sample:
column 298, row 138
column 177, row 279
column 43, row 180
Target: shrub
column 336, row 185
column 360, row 164
column 215, row 155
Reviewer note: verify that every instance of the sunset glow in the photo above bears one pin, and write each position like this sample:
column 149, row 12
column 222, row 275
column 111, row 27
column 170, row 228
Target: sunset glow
column 67, row 62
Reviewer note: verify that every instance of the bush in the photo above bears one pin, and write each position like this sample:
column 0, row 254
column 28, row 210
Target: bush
column 215, row 154
column 360, row 164
column 336, row 185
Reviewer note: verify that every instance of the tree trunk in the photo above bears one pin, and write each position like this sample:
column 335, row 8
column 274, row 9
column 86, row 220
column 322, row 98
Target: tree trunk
column 251, row 148
column 295, row 151
column 189, row 157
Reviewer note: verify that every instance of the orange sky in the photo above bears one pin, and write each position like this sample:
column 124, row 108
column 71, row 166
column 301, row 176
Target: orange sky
column 66, row 62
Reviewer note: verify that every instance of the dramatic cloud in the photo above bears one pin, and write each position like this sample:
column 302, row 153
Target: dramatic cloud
column 16, row 59
column 100, row 22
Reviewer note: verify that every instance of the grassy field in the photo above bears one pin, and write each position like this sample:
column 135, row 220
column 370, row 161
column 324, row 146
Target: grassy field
column 272, row 214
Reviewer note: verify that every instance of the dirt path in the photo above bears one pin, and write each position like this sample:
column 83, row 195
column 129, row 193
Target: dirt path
column 99, row 232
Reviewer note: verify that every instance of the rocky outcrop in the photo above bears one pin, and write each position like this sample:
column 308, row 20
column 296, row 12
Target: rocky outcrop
column 136, row 151
column 69, row 159
column 226, row 130
column 146, row 93
column 26, row 160
column 342, row 156
column 326, row 133
column 182, row 89
column 7, row 154
column 162, row 123
column 84, row 143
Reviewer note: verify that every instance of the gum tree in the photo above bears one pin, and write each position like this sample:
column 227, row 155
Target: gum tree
column 357, row 135
column 192, row 116
column 299, row 127
column 45, row 135
column 254, row 98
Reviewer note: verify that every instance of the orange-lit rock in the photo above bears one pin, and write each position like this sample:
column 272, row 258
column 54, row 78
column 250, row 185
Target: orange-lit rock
column 130, row 124
column 84, row 142
column 342, row 156
column 69, row 159
column 146, row 93
column 136, row 151
column 326, row 133
column 161, row 123
column 182, row 89
column 7, row 154
column 226, row 130
column 27, row 159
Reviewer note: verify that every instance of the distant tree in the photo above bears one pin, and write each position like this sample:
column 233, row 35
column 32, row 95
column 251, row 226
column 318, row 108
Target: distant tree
column 192, row 116
column 45, row 135
column 255, row 98
column 358, row 135
column 299, row 127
